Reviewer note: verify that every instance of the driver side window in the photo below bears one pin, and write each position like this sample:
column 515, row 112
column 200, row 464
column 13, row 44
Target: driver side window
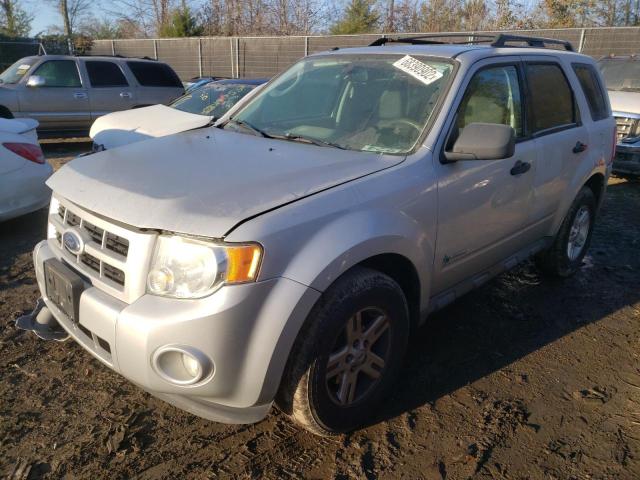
column 493, row 96
column 59, row 73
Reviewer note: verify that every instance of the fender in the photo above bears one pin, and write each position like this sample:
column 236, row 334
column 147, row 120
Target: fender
column 329, row 253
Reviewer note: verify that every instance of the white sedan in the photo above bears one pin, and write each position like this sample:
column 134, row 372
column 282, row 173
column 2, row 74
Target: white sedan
column 23, row 169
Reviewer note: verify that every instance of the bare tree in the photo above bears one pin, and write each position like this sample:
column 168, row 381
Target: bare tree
column 72, row 12
column 14, row 20
column 150, row 16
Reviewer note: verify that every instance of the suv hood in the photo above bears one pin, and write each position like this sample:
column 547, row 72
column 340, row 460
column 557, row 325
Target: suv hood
column 624, row 102
column 206, row 181
column 129, row 126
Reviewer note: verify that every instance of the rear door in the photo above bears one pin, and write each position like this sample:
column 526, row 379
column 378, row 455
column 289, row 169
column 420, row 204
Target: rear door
column 483, row 205
column 157, row 82
column 563, row 140
column 62, row 103
column 602, row 125
column 109, row 90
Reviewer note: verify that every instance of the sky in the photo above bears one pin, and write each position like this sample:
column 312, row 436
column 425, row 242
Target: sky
column 44, row 15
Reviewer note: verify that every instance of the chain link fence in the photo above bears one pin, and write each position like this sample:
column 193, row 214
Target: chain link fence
column 266, row 56
column 10, row 51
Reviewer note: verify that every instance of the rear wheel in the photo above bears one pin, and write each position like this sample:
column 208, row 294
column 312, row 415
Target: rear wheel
column 347, row 355
column 5, row 112
column 570, row 246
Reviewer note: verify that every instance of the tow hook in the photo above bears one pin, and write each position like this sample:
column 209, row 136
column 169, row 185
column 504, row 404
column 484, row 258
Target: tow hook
column 42, row 323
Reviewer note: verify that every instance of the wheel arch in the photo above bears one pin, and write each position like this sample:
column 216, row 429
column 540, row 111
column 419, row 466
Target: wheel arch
column 5, row 112
column 597, row 184
column 404, row 273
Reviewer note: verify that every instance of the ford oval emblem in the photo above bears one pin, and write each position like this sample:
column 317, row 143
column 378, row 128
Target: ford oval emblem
column 72, row 241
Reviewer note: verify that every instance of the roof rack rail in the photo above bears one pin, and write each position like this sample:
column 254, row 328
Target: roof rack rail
column 502, row 39
column 431, row 39
column 495, row 40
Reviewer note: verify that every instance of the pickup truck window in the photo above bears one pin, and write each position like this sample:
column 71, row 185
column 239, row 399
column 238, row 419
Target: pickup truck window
column 105, row 74
column 493, row 96
column 592, row 91
column 15, row 72
column 552, row 101
column 59, row 73
column 376, row 103
column 150, row 74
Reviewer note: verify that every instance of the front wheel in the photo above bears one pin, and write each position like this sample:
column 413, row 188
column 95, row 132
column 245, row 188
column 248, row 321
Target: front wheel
column 347, row 355
column 571, row 243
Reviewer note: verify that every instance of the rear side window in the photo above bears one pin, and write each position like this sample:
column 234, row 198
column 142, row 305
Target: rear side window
column 151, row 74
column 59, row 73
column 105, row 74
column 552, row 103
column 592, row 91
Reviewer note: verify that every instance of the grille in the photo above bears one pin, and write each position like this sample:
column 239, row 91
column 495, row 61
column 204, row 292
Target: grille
column 109, row 240
column 626, row 126
column 115, row 258
column 100, row 240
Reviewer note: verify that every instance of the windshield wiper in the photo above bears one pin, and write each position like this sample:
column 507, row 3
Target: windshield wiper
column 247, row 126
column 314, row 141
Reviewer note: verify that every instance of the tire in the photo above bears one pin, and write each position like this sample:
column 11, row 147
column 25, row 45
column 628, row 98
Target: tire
column 5, row 112
column 559, row 260
column 312, row 393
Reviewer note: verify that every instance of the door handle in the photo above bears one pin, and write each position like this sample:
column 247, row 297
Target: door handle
column 79, row 95
column 579, row 147
column 125, row 95
column 520, row 167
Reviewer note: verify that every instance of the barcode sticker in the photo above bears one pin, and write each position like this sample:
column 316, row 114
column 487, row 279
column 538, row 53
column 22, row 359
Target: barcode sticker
column 423, row 72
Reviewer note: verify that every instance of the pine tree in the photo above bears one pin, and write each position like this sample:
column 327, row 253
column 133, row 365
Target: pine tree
column 360, row 16
column 182, row 23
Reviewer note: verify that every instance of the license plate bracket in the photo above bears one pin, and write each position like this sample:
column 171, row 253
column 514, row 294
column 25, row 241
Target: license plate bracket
column 63, row 287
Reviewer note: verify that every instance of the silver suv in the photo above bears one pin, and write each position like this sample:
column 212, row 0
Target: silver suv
column 67, row 93
column 621, row 75
column 286, row 255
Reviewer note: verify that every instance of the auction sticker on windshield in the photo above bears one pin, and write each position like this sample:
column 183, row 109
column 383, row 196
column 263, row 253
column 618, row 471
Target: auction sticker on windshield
column 423, row 72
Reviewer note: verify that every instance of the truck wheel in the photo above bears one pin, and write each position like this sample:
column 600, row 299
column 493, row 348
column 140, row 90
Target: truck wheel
column 565, row 256
column 347, row 355
column 5, row 112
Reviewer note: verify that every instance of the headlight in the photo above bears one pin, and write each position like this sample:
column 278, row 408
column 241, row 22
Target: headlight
column 188, row 268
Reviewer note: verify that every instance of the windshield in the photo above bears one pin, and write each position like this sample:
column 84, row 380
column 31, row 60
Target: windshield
column 621, row 74
column 15, row 72
column 376, row 103
column 212, row 99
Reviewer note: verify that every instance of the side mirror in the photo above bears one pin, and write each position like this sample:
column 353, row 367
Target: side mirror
column 483, row 141
column 35, row 81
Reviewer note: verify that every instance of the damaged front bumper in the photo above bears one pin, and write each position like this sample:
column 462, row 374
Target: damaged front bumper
column 234, row 332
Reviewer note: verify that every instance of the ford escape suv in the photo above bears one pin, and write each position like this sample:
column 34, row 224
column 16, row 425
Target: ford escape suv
column 65, row 94
column 285, row 256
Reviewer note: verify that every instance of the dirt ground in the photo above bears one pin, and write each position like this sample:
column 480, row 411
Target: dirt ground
column 525, row 378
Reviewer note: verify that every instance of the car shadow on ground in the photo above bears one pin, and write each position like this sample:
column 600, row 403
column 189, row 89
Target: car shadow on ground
column 520, row 312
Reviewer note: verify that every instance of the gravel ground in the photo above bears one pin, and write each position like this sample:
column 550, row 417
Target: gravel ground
column 525, row 378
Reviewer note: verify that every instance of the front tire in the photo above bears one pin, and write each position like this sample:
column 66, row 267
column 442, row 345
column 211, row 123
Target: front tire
column 571, row 243
column 347, row 355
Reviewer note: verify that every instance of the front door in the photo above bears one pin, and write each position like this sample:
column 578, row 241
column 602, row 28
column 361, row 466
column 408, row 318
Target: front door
column 62, row 103
column 484, row 205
